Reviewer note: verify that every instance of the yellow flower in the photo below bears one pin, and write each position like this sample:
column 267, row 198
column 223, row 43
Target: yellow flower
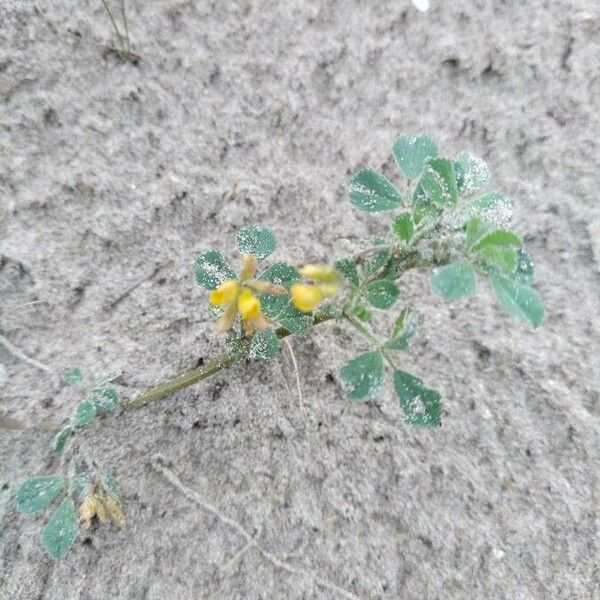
column 239, row 296
column 306, row 297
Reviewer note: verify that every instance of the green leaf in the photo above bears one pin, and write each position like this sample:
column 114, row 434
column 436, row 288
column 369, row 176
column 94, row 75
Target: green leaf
column 499, row 237
column 476, row 229
column 521, row 301
column 382, row 293
column 475, row 173
column 377, row 262
column 523, row 271
column 84, row 413
column 295, row 321
column 363, row 313
column 494, row 208
column 412, row 153
column 403, row 227
column 361, row 377
column 105, row 399
column 454, row 281
column 212, row 269
column 420, row 406
column 82, row 483
column 347, row 268
column 502, row 259
column 281, row 274
column 371, row 192
column 61, row 438
column 61, row 530
column 73, row 377
column 279, row 308
column 36, row 493
column 439, row 182
column 404, row 330
column 264, row 345
column 256, row 240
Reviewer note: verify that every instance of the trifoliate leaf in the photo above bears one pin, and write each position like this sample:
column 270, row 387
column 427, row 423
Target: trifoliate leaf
column 474, row 172
column 105, row 399
column 403, row 227
column 454, row 281
column 255, row 240
column 61, row 438
column 523, row 272
column 371, row 192
column 404, row 330
column 492, row 207
column 84, row 413
column 521, row 301
column 499, row 237
column 347, row 268
column 73, row 377
column 264, row 345
column 36, row 493
column 61, row 530
column 212, row 269
column 361, row 377
column 438, row 182
column 382, row 293
column 412, row 153
column 420, row 406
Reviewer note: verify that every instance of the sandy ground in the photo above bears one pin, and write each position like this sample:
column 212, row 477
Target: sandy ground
column 113, row 176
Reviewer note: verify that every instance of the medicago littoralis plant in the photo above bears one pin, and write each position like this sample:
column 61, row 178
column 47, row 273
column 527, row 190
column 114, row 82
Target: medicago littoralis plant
column 446, row 222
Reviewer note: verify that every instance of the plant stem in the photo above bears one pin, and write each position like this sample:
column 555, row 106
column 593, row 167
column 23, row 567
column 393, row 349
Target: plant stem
column 196, row 375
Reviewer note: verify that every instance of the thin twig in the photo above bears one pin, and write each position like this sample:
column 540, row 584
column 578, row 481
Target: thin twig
column 21, row 355
column 124, row 16
column 296, row 373
column 158, row 464
column 114, row 24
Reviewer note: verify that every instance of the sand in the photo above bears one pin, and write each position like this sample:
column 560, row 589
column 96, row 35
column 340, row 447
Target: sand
column 115, row 174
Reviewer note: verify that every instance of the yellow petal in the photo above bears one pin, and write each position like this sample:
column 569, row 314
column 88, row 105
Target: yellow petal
column 226, row 319
column 306, row 297
column 319, row 273
column 329, row 290
column 251, row 325
column 248, row 304
column 225, row 293
column 249, row 266
column 266, row 287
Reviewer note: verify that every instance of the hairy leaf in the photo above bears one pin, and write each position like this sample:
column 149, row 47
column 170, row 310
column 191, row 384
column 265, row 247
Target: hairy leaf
column 361, row 377
column 255, row 240
column 84, row 413
column 412, row 153
column 499, row 237
column 420, row 405
column 61, row 438
column 475, row 174
column 61, row 530
column 105, row 399
column 439, row 182
column 403, row 227
column 347, row 268
column 405, row 328
column 264, row 345
column 454, row 281
column 73, row 376
column 36, row 493
column 521, row 301
column 372, row 192
column 212, row 269
column 382, row 293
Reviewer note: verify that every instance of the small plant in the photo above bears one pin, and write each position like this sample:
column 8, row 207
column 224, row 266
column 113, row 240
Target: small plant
column 443, row 221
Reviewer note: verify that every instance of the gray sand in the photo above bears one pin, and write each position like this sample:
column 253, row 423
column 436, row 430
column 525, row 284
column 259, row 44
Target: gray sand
column 112, row 174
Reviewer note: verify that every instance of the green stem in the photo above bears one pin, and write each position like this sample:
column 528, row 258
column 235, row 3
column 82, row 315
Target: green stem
column 203, row 372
